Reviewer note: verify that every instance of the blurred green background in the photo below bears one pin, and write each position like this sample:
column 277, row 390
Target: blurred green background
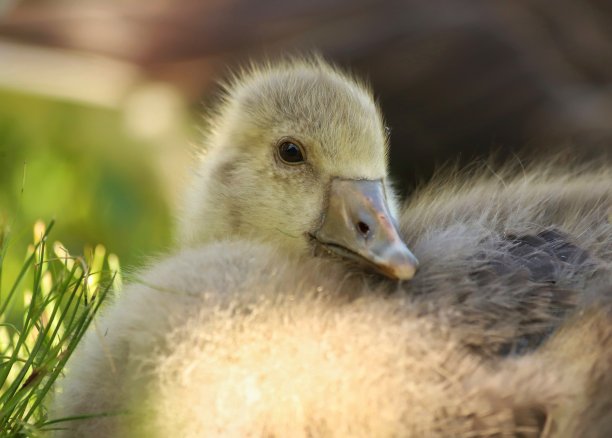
column 79, row 165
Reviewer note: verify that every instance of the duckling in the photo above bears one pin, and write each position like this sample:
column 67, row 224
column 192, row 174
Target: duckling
column 255, row 337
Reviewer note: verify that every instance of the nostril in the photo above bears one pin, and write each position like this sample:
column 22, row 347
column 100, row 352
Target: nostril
column 363, row 228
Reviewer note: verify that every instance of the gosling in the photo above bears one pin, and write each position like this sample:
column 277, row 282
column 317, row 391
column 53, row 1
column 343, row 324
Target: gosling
column 254, row 337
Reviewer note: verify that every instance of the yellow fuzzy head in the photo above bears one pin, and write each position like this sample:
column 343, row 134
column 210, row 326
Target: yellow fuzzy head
column 245, row 185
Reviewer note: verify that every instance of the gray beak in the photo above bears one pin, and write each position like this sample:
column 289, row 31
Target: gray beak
column 358, row 225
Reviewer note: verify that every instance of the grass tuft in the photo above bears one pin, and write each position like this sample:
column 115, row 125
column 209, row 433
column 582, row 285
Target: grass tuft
column 43, row 315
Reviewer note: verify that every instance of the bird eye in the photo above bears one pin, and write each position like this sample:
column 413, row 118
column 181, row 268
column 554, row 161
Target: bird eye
column 290, row 153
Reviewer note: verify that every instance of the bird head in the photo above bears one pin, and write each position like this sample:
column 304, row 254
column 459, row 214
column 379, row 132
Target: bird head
column 297, row 155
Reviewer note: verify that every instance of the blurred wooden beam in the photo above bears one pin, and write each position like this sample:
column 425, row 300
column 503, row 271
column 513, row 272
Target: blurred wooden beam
column 66, row 74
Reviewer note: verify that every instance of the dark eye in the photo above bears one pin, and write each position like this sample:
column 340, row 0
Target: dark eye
column 290, row 153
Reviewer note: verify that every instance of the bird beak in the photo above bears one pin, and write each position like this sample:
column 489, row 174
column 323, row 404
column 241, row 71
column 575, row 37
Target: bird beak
column 358, row 225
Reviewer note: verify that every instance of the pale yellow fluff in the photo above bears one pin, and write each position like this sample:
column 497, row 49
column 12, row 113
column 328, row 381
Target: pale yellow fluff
column 236, row 340
column 253, row 337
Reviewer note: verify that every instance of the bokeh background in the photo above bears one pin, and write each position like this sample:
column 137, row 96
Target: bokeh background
column 101, row 100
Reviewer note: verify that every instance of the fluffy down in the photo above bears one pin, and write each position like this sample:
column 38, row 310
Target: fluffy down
column 238, row 339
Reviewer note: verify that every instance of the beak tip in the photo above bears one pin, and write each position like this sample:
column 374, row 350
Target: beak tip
column 405, row 272
column 405, row 268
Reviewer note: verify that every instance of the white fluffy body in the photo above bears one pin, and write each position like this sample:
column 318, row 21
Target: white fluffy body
column 239, row 338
